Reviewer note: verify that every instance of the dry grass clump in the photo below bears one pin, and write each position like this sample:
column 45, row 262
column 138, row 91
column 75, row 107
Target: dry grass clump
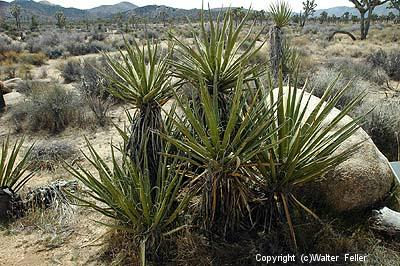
column 47, row 155
column 54, row 224
column 379, row 251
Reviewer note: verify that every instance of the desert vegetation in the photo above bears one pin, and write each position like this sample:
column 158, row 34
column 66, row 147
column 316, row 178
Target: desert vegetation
column 158, row 140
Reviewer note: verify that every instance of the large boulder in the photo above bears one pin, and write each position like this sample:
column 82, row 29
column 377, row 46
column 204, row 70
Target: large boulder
column 360, row 181
column 7, row 87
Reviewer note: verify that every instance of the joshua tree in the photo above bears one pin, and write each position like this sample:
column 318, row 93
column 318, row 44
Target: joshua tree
column 163, row 16
column 34, row 23
column 60, row 19
column 366, row 7
column 323, row 17
column 281, row 13
column 262, row 16
column 16, row 13
column 309, row 9
column 133, row 20
column 238, row 15
column 346, row 17
column 118, row 18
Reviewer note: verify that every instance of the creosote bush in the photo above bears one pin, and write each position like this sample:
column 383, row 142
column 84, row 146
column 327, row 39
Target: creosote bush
column 94, row 87
column 71, row 71
column 51, row 108
column 389, row 61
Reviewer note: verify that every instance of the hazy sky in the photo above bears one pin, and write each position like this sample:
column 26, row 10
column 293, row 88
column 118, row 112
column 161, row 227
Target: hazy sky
column 187, row 4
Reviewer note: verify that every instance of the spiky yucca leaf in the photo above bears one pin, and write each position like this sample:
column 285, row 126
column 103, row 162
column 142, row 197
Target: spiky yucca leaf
column 218, row 55
column 13, row 174
column 220, row 151
column 306, row 145
column 142, row 77
column 123, row 192
column 281, row 13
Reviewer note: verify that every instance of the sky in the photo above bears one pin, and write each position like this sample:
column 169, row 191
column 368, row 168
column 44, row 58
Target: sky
column 188, row 4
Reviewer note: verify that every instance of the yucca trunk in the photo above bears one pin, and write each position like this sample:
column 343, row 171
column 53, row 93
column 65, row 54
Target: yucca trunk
column 145, row 144
column 276, row 51
column 2, row 103
column 10, row 204
column 224, row 201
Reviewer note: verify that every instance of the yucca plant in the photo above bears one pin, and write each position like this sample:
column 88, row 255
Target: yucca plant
column 281, row 14
column 123, row 192
column 307, row 145
column 142, row 79
column 14, row 174
column 219, row 152
column 218, row 55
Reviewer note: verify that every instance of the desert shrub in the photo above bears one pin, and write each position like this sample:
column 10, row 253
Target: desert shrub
column 99, row 46
column 151, row 34
column 56, row 43
column 8, row 71
column 94, row 86
column 353, row 69
column 25, row 72
column 50, row 108
column 27, row 87
column 9, row 45
column 55, row 52
column 71, row 71
column 32, row 59
column 43, row 73
column 41, row 42
column 324, row 30
column 98, row 36
column 323, row 77
column 390, row 62
column 382, row 124
column 46, row 155
column 77, row 48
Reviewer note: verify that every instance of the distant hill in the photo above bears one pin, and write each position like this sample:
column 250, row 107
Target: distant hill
column 153, row 11
column 3, row 8
column 46, row 3
column 106, row 10
column 340, row 10
column 45, row 10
